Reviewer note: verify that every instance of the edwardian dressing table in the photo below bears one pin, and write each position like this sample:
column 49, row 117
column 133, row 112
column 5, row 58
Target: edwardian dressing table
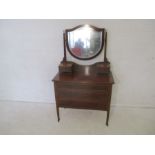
column 84, row 86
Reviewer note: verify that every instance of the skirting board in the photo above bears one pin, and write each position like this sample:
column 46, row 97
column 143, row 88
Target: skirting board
column 112, row 105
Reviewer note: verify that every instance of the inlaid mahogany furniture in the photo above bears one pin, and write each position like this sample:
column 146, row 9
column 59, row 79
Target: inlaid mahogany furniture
column 84, row 86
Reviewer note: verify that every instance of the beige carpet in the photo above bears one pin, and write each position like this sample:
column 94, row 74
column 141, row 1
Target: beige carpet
column 40, row 118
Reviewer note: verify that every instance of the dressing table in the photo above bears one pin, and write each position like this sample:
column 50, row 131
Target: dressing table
column 84, row 86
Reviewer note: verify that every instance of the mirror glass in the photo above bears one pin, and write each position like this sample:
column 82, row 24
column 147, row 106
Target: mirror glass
column 84, row 42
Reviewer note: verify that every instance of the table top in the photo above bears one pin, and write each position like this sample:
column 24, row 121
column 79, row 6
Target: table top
column 84, row 78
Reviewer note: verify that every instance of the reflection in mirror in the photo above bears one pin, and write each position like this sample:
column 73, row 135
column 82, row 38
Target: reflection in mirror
column 84, row 42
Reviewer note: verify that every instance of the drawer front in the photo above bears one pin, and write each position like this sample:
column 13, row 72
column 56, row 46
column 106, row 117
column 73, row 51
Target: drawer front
column 82, row 94
column 80, row 86
column 81, row 104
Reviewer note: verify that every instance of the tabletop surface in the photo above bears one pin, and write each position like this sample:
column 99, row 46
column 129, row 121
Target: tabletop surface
column 84, row 78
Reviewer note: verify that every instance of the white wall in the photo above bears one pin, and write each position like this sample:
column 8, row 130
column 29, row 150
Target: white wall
column 30, row 51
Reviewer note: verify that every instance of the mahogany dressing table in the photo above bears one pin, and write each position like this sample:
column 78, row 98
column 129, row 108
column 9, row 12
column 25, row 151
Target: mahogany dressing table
column 84, row 86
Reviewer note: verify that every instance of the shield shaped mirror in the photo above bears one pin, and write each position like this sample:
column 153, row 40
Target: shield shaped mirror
column 84, row 42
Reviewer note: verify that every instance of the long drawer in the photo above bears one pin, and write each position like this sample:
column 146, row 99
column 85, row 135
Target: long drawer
column 85, row 95
column 80, row 86
column 80, row 104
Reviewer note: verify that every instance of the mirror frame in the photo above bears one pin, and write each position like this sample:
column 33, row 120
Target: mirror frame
column 102, row 30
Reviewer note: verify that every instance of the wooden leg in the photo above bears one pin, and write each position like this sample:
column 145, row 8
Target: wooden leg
column 107, row 120
column 58, row 113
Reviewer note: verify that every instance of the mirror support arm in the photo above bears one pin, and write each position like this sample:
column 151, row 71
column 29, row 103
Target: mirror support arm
column 64, row 42
column 105, row 48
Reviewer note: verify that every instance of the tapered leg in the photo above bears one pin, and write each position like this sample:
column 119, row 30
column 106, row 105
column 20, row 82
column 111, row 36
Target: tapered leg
column 58, row 113
column 107, row 120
